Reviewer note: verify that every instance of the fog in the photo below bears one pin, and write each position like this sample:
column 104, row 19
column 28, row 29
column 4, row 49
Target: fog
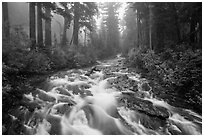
column 19, row 16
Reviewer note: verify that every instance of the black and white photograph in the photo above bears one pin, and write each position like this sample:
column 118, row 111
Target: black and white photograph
column 101, row 68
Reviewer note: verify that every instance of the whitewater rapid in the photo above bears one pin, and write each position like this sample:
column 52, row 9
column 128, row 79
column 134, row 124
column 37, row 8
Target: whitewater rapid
column 80, row 104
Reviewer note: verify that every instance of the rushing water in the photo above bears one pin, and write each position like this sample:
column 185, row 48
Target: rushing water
column 81, row 104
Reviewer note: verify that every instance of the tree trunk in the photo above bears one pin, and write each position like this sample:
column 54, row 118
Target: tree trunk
column 64, row 37
column 76, row 24
column 85, row 36
column 200, row 32
column 146, row 35
column 192, row 29
column 48, row 38
column 6, row 26
column 32, row 25
column 176, row 21
column 39, row 26
column 138, row 30
column 159, row 28
column 159, row 37
column 150, row 27
column 178, row 30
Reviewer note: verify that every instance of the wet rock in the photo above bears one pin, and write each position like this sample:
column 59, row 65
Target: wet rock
column 174, row 130
column 124, row 83
column 143, row 94
column 130, row 93
column 74, row 88
column 76, row 71
column 64, row 99
column 86, row 93
column 18, row 113
column 134, row 87
column 94, row 68
column 45, row 96
column 80, row 91
column 144, row 106
column 62, row 108
column 63, row 91
column 145, row 87
column 83, row 78
column 85, row 86
column 140, row 94
column 31, row 105
column 108, row 75
column 123, row 77
column 153, row 123
column 60, row 74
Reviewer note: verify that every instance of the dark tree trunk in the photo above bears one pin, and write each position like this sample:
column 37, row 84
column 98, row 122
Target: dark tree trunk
column 176, row 21
column 39, row 26
column 48, row 38
column 192, row 29
column 32, row 25
column 150, row 27
column 76, row 24
column 159, row 38
column 6, row 25
column 178, row 30
column 138, row 31
column 200, row 32
column 64, row 37
column 159, row 28
column 146, row 36
column 85, row 36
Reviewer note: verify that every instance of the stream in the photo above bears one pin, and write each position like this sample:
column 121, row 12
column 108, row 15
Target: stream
column 107, row 99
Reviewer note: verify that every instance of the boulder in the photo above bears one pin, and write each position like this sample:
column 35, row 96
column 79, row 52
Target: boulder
column 74, row 88
column 145, row 87
column 86, row 93
column 123, row 83
column 108, row 75
column 43, row 95
column 144, row 106
column 94, row 68
column 63, row 91
column 174, row 130
column 61, row 108
column 153, row 123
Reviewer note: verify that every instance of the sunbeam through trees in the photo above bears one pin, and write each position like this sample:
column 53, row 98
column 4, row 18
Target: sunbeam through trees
column 101, row 68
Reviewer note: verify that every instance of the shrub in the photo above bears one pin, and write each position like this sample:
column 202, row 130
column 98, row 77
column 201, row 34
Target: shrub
column 62, row 58
column 37, row 62
column 14, row 49
column 177, row 71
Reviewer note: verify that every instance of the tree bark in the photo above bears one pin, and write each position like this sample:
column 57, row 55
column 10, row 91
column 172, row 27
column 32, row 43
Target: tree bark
column 64, row 37
column 85, row 36
column 76, row 24
column 192, row 29
column 138, row 31
column 200, row 32
column 39, row 26
column 6, row 24
column 176, row 21
column 150, row 27
column 32, row 25
column 48, row 38
column 159, row 28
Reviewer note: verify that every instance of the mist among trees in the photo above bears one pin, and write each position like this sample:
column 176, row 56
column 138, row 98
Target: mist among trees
column 162, row 41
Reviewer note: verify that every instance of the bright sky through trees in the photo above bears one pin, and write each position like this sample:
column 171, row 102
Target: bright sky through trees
column 121, row 13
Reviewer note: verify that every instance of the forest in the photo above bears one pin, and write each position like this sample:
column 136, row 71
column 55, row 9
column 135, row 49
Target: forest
column 113, row 68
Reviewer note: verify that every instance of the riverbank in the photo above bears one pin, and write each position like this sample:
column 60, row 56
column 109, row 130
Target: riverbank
column 105, row 99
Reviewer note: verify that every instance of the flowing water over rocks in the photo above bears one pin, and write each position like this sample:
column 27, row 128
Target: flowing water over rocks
column 106, row 99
